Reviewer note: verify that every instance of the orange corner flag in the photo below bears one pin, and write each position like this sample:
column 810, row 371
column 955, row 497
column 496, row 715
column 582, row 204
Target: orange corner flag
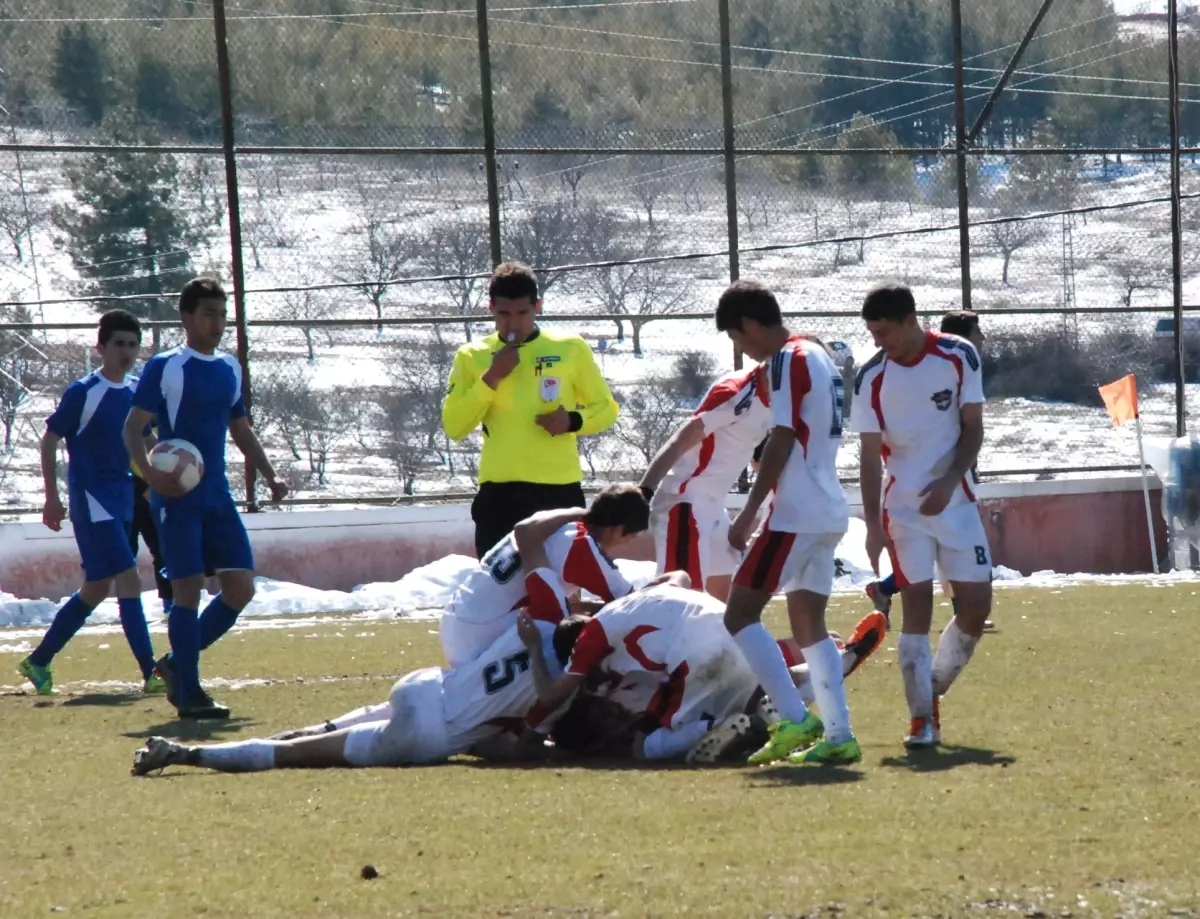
column 1120, row 398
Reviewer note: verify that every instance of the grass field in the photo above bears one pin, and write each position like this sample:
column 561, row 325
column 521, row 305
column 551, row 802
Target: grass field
column 1068, row 787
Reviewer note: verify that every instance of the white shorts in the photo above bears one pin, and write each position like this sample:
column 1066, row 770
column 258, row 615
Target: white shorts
column 953, row 542
column 787, row 562
column 694, row 538
column 463, row 641
column 415, row 733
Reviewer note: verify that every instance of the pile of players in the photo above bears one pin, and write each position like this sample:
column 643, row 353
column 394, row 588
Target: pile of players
column 671, row 671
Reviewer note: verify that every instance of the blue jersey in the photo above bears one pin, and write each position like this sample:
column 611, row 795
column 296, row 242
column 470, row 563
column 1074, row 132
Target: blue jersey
column 91, row 419
column 194, row 396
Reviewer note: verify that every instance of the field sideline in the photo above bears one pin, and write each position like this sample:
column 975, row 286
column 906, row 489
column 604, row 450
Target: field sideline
column 1068, row 787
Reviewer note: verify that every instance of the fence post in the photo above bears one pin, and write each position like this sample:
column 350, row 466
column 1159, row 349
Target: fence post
column 489, row 130
column 225, row 89
column 960, row 146
column 731, row 199
column 1176, row 215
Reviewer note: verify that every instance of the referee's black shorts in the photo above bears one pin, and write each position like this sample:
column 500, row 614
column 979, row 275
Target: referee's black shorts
column 500, row 506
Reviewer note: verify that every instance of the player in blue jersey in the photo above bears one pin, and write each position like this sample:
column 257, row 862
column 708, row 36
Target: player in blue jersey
column 195, row 393
column 91, row 418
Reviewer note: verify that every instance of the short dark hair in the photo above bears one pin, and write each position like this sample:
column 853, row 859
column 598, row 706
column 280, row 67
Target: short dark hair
column 960, row 322
column 595, row 726
column 198, row 289
column 622, row 505
column 566, row 633
column 118, row 321
column 747, row 300
column 890, row 300
column 513, row 281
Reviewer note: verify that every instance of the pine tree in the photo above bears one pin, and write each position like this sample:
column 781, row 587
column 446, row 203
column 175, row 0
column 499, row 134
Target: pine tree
column 81, row 72
column 127, row 231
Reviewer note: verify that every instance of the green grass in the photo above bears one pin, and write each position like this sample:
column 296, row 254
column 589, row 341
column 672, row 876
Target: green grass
column 1068, row 787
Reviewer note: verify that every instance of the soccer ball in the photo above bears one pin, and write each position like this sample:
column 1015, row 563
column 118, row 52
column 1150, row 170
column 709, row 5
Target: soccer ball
column 169, row 454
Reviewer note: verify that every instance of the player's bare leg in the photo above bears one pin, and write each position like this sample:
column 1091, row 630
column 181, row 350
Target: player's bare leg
column 806, row 613
column 719, row 585
column 256, row 755
column 916, row 663
column 364, row 715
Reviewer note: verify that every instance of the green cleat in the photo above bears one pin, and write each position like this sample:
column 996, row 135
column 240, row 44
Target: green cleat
column 829, row 754
column 154, row 686
column 40, row 677
column 787, row 736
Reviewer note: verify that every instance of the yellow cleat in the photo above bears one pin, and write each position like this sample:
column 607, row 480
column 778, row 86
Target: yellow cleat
column 828, row 754
column 787, row 736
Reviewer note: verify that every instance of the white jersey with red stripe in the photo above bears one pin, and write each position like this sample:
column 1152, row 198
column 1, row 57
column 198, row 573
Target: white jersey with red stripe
column 916, row 408
column 677, row 635
column 736, row 417
column 497, row 586
column 807, row 396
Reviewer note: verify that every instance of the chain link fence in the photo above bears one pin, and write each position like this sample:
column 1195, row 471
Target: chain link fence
column 639, row 154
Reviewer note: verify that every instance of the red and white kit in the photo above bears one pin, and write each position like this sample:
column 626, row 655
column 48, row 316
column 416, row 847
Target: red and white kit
column 688, row 516
column 809, row 513
column 485, row 605
column 916, row 408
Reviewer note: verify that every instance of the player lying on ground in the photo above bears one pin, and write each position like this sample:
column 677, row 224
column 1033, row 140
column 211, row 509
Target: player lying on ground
column 579, row 544
column 666, row 652
column 693, row 472
column 432, row 714
column 918, row 407
column 91, row 417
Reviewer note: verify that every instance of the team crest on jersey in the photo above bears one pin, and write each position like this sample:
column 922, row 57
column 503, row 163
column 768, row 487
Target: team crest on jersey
column 744, row 403
column 943, row 400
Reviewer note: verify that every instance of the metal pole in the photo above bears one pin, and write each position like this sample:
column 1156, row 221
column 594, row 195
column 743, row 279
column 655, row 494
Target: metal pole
column 1176, row 215
column 225, row 89
column 489, row 131
column 731, row 199
column 960, row 143
column 992, row 98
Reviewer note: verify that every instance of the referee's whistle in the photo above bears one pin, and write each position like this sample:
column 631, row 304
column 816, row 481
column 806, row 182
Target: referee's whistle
column 512, row 336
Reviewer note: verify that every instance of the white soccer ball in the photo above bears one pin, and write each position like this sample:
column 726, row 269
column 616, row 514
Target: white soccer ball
column 168, row 455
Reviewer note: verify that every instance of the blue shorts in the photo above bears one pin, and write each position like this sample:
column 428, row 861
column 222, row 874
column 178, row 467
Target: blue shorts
column 198, row 540
column 103, row 548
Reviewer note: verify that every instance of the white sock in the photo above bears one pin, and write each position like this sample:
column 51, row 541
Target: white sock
column 803, row 680
column 666, row 743
column 766, row 660
column 241, row 756
column 825, row 666
column 916, row 667
column 954, row 650
column 364, row 715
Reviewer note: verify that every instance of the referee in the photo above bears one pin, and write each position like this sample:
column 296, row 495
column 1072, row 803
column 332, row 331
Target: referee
column 534, row 392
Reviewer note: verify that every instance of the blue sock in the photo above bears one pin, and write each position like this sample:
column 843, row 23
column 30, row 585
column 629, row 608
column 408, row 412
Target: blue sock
column 137, row 633
column 183, row 629
column 887, row 586
column 217, row 619
column 166, row 606
column 67, row 621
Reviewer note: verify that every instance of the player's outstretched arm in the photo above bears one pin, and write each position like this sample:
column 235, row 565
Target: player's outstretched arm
column 53, row 512
column 870, row 482
column 551, row 692
column 247, row 441
column 686, row 436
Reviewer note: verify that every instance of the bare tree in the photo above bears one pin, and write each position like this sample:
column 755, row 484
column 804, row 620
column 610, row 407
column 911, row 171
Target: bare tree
column 267, row 223
column 311, row 422
column 17, row 218
column 1139, row 271
column 755, row 197
column 305, row 306
column 648, row 179
column 642, row 292
column 457, row 248
column 552, row 233
column 20, row 363
column 377, row 256
column 649, row 415
column 1009, row 237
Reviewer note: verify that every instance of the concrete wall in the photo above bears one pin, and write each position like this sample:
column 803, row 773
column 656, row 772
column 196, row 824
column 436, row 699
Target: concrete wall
column 1081, row 525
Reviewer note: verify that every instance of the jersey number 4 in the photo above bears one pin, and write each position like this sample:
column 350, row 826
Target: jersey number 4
column 502, row 561
column 499, row 674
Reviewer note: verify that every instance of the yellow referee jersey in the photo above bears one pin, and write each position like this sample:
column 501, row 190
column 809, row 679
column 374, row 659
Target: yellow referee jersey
column 555, row 369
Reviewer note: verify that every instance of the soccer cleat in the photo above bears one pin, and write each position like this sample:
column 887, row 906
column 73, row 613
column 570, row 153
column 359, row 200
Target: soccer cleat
column 717, row 742
column 40, row 677
column 921, row 734
column 829, row 754
column 868, row 636
column 201, row 707
column 787, row 736
column 165, row 671
column 767, row 712
column 157, row 755
column 879, row 599
column 154, row 685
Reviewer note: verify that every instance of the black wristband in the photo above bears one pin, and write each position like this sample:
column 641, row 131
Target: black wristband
column 576, row 421
column 647, row 492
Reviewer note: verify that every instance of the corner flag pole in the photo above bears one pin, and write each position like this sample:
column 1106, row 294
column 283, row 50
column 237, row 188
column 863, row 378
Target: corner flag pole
column 1146, row 493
